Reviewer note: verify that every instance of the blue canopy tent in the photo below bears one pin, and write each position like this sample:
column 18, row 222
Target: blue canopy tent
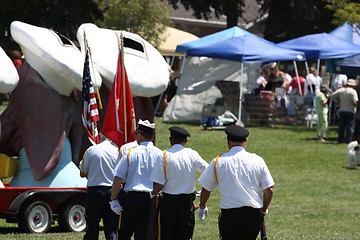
column 322, row 46
column 209, row 39
column 246, row 48
column 350, row 65
column 212, row 38
column 347, row 32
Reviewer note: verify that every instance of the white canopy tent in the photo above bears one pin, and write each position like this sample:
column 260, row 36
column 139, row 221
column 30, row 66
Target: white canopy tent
column 173, row 37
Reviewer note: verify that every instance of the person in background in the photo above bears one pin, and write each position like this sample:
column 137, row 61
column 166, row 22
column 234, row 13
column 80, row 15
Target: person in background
column 16, row 58
column 347, row 98
column 261, row 81
column 321, row 106
column 245, row 185
column 314, row 80
column 310, row 96
column 339, row 81
column 97, row 166
column 295, row 83
column 174, row 174
column 135, row 169
column 276, row 79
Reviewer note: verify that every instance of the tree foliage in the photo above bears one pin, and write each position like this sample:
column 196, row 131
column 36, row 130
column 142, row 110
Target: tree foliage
column 232, row 9
column 63, row 16
column 345, row 11
column 294, row 18
column 148, row 18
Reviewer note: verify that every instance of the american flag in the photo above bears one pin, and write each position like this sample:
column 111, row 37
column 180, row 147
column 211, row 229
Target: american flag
column 90, row 113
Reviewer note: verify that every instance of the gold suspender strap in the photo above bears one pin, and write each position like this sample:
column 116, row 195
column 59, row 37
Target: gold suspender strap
column 83, row 163
column 165, row 163
column 120, row 150
column 128, row 156
column 215, row 166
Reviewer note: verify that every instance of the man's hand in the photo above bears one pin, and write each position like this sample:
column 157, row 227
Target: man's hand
column 266, row 212
column 152, row 195
column 115, row 206
column 202, row 213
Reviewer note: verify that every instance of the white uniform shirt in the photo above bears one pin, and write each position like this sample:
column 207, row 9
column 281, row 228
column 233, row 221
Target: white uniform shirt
column 99, row 163
column 137, row 172
column 241, row 176
column 125, row 148
column 181, row 167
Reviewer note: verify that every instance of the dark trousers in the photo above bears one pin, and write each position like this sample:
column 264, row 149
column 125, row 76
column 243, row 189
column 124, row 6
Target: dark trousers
column 97, row 208
column 177, row 216
column 240, row 223
column 346, row 125
column 134, row 218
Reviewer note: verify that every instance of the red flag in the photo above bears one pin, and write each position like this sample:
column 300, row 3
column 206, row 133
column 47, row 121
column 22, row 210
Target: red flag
column 90, row 114
column 119, row 120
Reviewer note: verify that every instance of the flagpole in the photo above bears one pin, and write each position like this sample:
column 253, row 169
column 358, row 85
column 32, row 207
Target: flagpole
column 123, row 84
column 87, row 47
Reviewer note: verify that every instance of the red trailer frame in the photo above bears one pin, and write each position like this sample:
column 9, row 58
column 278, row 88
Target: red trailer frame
column 35, row 209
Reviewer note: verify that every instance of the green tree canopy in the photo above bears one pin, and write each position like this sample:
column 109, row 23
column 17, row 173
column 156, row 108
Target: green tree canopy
column 63, row 16
column 294, row 18
column 232, row 9
column 345, row 11
column 148, row 18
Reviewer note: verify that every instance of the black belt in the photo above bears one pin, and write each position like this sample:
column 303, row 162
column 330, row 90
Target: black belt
column 181, row 196
column 239, row 208
column 138, row 193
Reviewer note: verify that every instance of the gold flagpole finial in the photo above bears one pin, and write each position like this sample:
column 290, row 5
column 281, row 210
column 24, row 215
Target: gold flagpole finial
column 92, row 65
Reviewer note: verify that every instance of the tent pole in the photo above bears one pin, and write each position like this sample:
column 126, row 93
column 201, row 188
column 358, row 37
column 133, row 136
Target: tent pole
column 172, row 60
column 182, row 65
column 297, row 77
column 318, row 67
column 307, row 68
column 240, row 88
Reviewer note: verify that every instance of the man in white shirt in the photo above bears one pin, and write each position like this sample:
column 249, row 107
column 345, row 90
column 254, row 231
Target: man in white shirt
column 339, row 81
column 313, row 80
column 175, row 174
column 241, row 178
column 135, row 168
column 98, row 165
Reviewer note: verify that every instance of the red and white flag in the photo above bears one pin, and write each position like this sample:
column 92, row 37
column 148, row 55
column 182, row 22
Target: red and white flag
column 90, row 113
column 119, row 120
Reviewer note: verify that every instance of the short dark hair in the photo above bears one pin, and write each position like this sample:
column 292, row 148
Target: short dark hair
column 146, row 135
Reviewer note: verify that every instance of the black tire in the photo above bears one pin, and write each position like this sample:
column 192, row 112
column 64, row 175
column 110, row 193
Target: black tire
column 72, row 216
column 35, row 217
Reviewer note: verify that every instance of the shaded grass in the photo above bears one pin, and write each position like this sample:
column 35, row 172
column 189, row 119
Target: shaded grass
column 315, row 194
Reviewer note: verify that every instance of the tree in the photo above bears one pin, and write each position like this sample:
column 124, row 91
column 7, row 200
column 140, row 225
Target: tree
column 232, row 9
column 295, row 18
column 148, row 18
column 63, row 16
column 345, row 11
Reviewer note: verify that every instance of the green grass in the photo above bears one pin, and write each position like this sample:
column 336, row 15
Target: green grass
column 315, row 196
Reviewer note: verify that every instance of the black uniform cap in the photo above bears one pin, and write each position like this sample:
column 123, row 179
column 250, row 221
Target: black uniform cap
column 179, row 132
column 236, row 133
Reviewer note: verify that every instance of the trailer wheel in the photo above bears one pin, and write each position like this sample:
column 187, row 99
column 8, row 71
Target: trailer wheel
column 35, row 217
column 72, row 216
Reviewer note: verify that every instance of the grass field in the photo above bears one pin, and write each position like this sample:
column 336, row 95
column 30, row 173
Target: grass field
column 315, row 196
